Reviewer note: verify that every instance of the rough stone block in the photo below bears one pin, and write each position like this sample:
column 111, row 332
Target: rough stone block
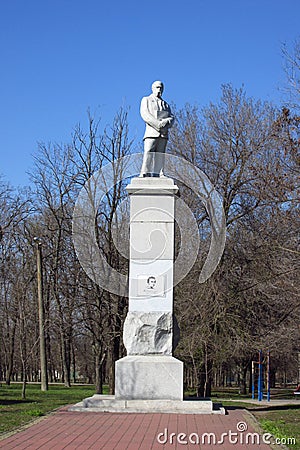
column 150, row 333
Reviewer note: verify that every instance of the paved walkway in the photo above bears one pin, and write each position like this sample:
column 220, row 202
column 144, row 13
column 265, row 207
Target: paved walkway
column 76, row 430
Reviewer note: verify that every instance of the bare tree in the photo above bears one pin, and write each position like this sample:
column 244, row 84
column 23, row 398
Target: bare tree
column 52, row 176
column 104, row 312
column 236, row 144
column 292, row 71
column 15, row 208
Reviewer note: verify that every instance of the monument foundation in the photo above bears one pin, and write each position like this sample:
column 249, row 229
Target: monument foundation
column 149, row 377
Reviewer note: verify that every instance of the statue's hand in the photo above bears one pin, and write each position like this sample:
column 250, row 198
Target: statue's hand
column 164, row 122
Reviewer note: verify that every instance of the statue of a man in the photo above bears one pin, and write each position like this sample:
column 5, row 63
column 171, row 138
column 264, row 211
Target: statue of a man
column 158, row 117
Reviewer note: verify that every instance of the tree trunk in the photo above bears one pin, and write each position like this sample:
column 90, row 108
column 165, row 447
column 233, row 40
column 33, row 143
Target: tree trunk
column 73, row 364
column 99, row 360
column 9, row 366
column 204, row 380
column 243, row 381
column 65, row 360
column 24, row 381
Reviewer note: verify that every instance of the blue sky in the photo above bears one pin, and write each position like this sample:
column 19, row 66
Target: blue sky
column 61, row 57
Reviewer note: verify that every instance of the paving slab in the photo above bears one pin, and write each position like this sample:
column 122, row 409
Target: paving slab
column 71, row 430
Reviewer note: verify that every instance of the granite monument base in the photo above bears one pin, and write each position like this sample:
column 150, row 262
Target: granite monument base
column 148, row 384
column 108, row 403
column 156, row 377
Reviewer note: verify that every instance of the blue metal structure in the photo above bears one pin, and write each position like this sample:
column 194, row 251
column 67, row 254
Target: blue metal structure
column 260, row 380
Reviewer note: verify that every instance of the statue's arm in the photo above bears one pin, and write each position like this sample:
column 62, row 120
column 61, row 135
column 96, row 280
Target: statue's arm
column 168, row 121
column 148, row 117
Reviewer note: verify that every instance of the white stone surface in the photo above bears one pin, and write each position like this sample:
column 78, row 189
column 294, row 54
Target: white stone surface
column 142, row 269
column 149, row 378
column 150, row 333
column 151, row 240
column 108, row 403
column 156, row 186
column 154, row 208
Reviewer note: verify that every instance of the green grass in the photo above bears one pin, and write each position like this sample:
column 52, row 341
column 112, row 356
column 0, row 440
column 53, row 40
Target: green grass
column 16, row 412
column 282, row 423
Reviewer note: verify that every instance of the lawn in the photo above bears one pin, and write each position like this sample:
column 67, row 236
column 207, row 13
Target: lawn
column 16, row 412
column 283, row 423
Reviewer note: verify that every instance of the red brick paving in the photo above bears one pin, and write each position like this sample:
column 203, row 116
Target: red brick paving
column 78, row 430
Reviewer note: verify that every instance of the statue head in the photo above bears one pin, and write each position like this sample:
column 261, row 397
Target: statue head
column 157, row 88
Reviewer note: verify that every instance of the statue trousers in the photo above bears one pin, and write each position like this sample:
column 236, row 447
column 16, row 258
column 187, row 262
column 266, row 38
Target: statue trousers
column 154, row 155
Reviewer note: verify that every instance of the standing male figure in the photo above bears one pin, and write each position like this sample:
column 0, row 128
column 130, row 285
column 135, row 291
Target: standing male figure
column 158, row 117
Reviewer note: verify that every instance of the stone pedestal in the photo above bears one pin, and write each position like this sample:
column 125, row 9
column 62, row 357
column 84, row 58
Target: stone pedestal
column 149, row 378
column 152, row 205
column 150, row 331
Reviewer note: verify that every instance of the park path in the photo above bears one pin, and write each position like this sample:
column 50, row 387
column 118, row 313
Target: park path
column 79, row 430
